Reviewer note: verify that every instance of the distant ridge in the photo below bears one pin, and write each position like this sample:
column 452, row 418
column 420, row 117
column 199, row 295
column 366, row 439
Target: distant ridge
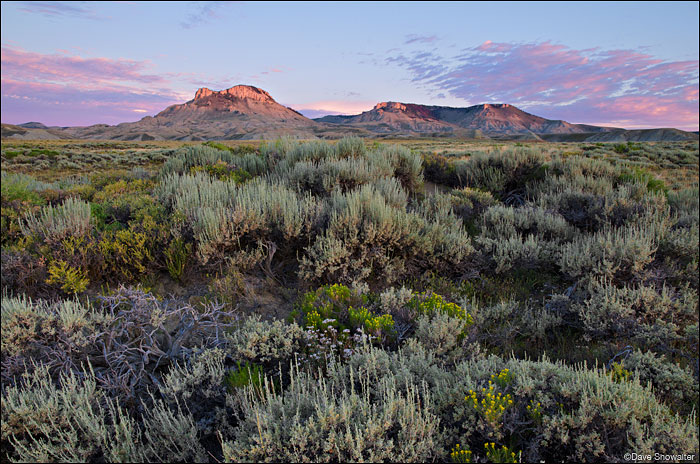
column 33, row 125
column 248, row 112
column 490, row 119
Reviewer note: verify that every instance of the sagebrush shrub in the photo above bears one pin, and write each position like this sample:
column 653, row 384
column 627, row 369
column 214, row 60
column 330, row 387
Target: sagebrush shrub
column 506, row 173
column 368, row 240
column 621, row 253
column 265, row 342
column 652, row 317
column 188, row 157
column 53, row 224
column 335, row 419
column 74, row 421
column 672, row 384
column 225, row 216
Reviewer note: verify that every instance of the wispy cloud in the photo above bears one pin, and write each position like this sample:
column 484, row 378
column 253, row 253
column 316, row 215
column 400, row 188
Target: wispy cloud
column 60, row 9
column 22, row 64
column 272, row 71
column 202, row 13
column 422, row 39
column 557, row 81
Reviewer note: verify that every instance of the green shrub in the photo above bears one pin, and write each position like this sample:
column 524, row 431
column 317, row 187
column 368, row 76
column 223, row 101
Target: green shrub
column 621, row 148
column 441, row 170
column 371, row 323
column 70, row 280
column 342, row 308
column 126, row 254
column 124, row 201
column 237, row 149
column 244, row 375
column 176, row 257
column 18, row 197
column 22, row 188
column 460, row 455
column 430, row 304
column 502, row 454
column 223, row 171
column 644, row 177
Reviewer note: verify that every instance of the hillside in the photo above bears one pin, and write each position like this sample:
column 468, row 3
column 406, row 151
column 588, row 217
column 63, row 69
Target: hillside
column 24, row 132
column 240, row 112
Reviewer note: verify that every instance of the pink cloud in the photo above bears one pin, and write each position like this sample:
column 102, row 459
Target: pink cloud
column 63, row 105
column 72, row 90
column 22, row 64
column 325, row 107
column 564, row 83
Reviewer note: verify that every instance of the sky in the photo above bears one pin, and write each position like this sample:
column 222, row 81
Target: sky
column 627, row 64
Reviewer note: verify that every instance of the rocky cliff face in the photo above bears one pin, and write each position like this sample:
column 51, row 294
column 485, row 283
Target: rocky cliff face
column 237, row 92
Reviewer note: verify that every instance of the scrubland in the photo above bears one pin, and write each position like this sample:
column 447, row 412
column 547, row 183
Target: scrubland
column 409, row 300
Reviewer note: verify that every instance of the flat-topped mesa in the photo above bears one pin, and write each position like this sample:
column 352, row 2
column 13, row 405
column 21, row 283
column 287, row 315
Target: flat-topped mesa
column 390, row 106
column 241, row 92
column 411, row 110
column 496, row 105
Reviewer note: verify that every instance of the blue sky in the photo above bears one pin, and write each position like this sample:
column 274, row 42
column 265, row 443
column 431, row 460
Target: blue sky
column 624, row 64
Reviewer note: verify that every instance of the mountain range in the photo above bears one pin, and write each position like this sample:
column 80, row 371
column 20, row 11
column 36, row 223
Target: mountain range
column 247, row 112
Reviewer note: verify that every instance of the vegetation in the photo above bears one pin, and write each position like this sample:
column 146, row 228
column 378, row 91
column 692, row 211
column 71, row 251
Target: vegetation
column 424, row 300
